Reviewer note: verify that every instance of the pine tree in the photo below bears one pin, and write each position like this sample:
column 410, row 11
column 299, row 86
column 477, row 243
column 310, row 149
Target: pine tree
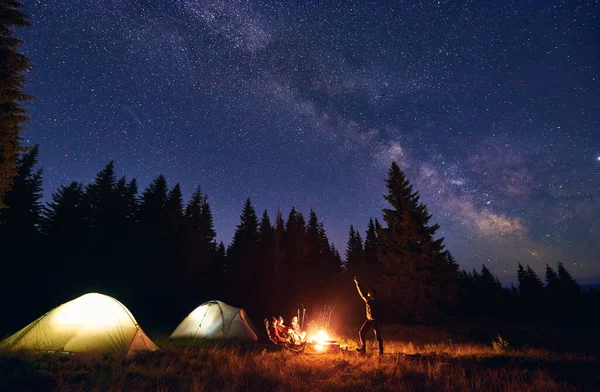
column 531, row 291
column 100, row 196
column 371, row 255
column 221, row 271
column 313, row 272
column 103, row 237
column 200, row 260
column 337, row 263
column 242, row 255
column 534, row 282
column 209, row 235
column 295, row 252
column 153, row 249
column 20, row 243
column 264, row 264
column 174, row 210
column 124, row 250
column 13, row 66
column 354, row 254
column 126, row 205
column 568, row 284
column 21, row 218
column 64, row 217
column 154, row 202
column 277, row 282
column 552, row 282
column 418, row 279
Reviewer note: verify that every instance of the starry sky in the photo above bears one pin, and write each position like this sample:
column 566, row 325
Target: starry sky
column 490, row 107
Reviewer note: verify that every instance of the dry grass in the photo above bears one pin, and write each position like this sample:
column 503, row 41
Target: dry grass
column 407, row 366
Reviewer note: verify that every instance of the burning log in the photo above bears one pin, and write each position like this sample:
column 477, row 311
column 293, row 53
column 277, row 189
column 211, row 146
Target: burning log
column 322, row 342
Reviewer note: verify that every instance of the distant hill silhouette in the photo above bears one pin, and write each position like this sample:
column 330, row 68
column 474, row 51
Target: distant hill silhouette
column 590, row 287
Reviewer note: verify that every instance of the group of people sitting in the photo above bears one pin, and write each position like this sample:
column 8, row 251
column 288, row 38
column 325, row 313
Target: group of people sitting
column 279, row 333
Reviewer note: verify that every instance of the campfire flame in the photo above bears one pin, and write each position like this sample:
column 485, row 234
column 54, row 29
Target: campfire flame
column 321, row 336
column 320, row 340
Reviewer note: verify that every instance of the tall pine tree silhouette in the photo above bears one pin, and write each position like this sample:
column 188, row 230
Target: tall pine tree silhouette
column 263, row 264
column 276, row 279
column 531, row 292
column 25, row 269
column 21, row 218
column 419, row 282
column 354, row 254
column 243, row 275
column 371, row 255
column 65, row 226
column 13, row 66
column 152, row 244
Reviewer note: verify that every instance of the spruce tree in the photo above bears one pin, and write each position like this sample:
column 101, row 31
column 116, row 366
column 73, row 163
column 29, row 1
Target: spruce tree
column 418, row 280
column 221, row 271
column 126, row 205
column 531, row 291
column 152, row 247
column 371, row 255
column 295, row 252
column 277, row 257
column 552, row 282
column 242, row 255
column 354, row 254
column 568, row 285
column 100, row 197
column 174, row 211
column 21, row 218
column 263, row 263
column 65, row 226
column 153, row 205
column 313, row 272
column 199, row 259
column 64, row 217
column 20, row 243
column 13, row 66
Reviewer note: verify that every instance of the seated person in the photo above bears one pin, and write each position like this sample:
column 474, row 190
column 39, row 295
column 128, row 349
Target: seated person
column 282, row 327
column 273, row 331
column 288, row 332
column 296, row 330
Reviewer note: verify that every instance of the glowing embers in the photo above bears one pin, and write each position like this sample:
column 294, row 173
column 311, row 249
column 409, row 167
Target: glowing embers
column 322, row 342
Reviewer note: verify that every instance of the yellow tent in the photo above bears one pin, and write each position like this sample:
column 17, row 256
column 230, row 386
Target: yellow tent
column 92, row 323
column 216, row 320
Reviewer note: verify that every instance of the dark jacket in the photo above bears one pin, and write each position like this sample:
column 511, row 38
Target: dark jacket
column 372, row 305
column 274, row 335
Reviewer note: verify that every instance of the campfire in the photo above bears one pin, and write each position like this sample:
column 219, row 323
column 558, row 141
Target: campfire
column 321, row 341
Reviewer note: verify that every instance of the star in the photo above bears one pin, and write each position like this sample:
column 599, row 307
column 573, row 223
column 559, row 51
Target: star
column 306, row 106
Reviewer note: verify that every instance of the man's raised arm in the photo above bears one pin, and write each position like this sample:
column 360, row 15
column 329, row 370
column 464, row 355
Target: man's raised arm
column 359, row 290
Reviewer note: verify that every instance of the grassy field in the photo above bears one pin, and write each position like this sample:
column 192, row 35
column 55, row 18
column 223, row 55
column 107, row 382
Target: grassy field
column 417, row 358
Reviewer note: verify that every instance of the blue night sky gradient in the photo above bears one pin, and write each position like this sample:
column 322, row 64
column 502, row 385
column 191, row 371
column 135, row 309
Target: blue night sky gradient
column 490, row 107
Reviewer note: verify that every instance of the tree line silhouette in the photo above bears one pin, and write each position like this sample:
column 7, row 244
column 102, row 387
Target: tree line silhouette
column 160, row 256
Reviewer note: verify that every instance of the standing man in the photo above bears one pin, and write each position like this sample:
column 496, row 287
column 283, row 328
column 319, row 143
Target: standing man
column 373, row 318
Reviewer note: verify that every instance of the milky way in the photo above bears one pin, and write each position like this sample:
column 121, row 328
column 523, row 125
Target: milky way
column 490, row 107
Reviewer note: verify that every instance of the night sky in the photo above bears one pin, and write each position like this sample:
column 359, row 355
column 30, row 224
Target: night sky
column 491, row 108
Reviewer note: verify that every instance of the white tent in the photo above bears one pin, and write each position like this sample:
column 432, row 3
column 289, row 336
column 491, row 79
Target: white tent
column 216, row 320
column 92, row 323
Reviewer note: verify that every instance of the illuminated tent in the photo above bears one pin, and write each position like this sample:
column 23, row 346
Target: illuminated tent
column 216, row 320
column 92, row 323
